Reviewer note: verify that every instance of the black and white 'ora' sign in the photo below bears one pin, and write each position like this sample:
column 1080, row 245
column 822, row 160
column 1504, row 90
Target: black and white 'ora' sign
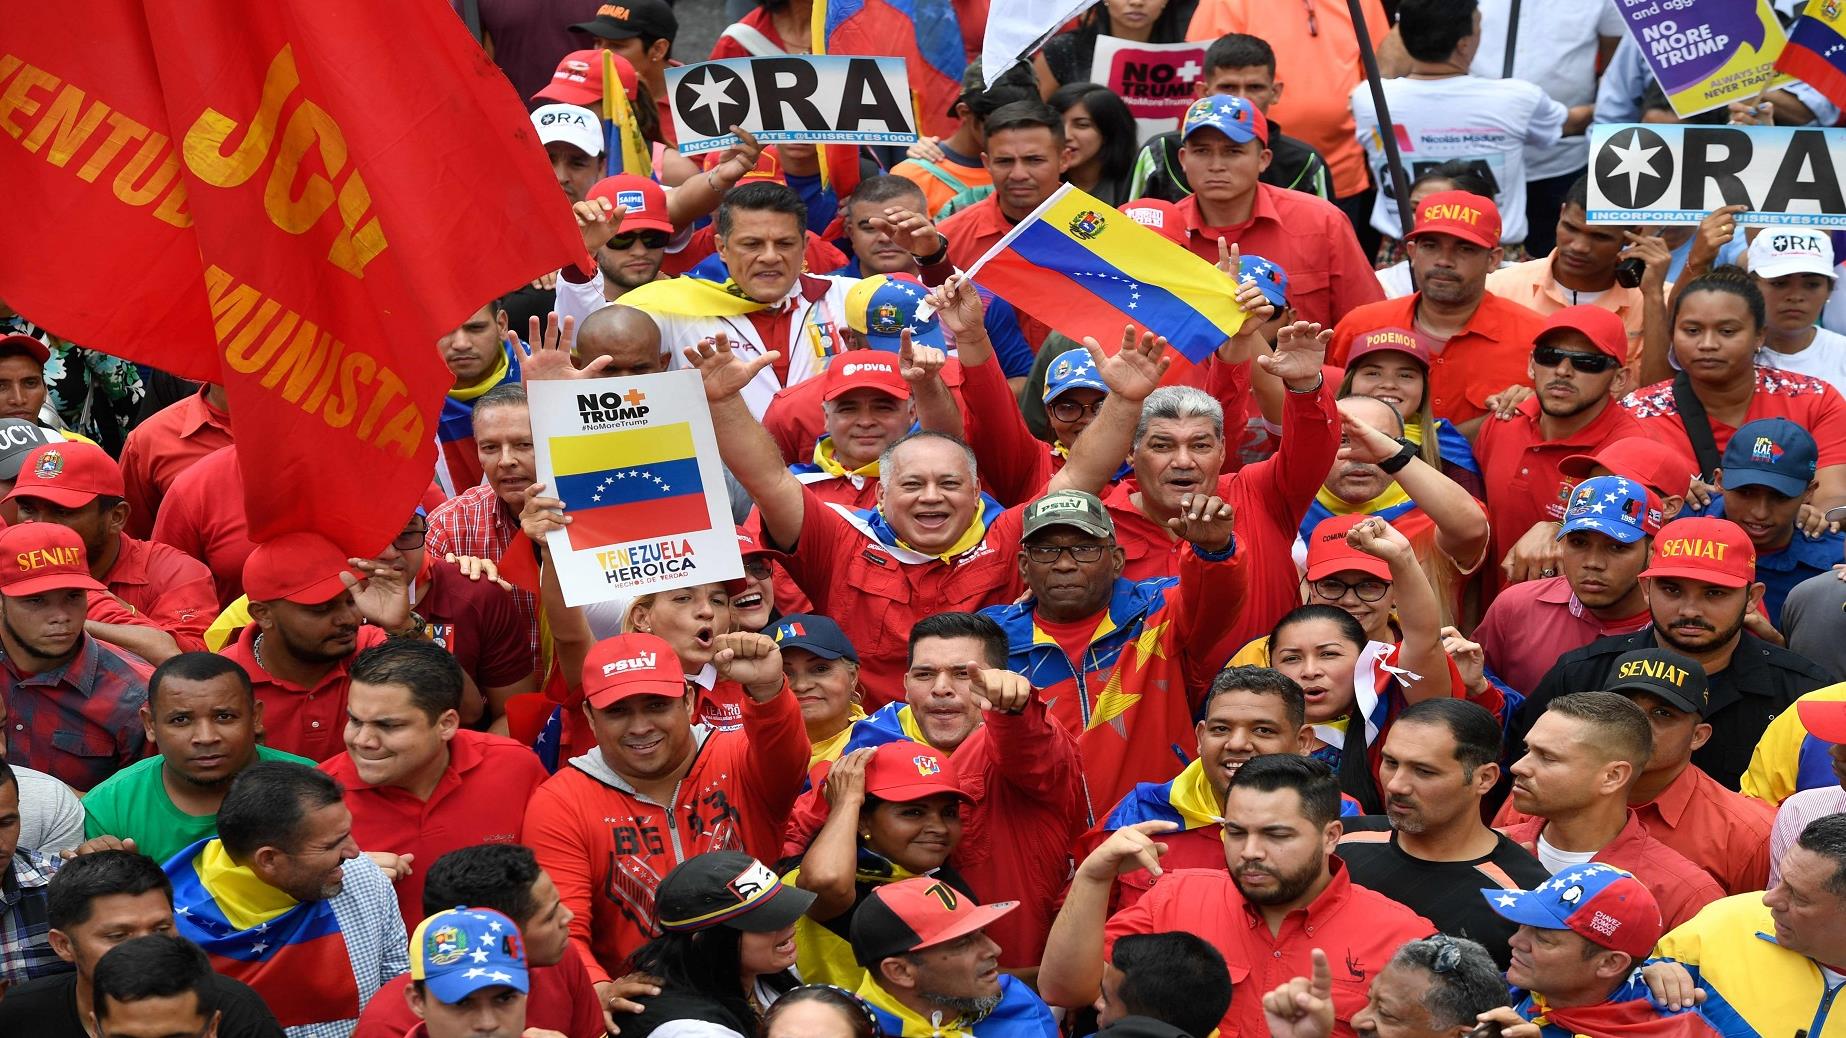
column 828, row 99
column 1666, row 174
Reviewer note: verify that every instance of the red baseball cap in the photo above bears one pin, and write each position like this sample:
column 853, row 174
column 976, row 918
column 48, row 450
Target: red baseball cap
column 1660, row 467
column 1459, row 214
column 1328, row 552
column 579, row 79
column 750, row 542
column 1824, row 719
column 1716, row 551
column 1602, row 327
column 631, row 665
column 915, row 913
column 39, row 557
column 1157, row 214
column 69, row 474
column 301, row 567
column 25, row 344
column 905, row 770
column 864, row 369
column 645, row 201
column 1397, row 340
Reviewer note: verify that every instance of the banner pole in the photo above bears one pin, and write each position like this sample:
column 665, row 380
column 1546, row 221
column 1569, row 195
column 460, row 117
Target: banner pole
column 1387, row 134
column 1512, row 39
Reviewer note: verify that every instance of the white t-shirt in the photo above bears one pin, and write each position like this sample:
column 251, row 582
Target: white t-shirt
column 1557, row 50
column 1557, row 861
column 1484, row 121
column 1825, row 359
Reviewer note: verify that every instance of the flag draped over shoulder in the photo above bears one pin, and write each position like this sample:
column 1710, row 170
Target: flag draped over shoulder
column 925, row 33
column 283, row 198
column 1816, row 50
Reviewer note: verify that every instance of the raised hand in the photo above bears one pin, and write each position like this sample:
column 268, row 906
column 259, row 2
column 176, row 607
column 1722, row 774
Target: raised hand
column 752, row 660
column 1205, row 520
column 1302, row 1007
column 598, row 220
column 475, row 568
column 382, row 593
column 1470, row 659
column 844, row 785
column 918, row 364
column 1379, row 539
column 542, row 513
column 739, row 159
column 996, row 689
column 911, row 231
column 725, row 373
column 958, row 307
column 1127, row 849
column 545, row 356
column 1301, row 348
column 1360, row 442
column 1136, row 369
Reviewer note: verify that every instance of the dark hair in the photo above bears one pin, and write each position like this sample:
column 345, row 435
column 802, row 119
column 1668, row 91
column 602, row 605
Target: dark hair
column 1238, row 50
column 430, row 672
column 488, row 875
column 1465, row 175
column 885, row 188
column 1261, row 681
column 1312, row 780
column 1458, row 992
column 1018, row 83
column 859, row 1017
column 508, row 394
column 705, row 961
column 1731, row 279
column 1170, row 27
column 1613, row 722
column 1176, row 978
column 761, row 196
column 155, row 966
column 1025, row 115
column 267, row 803
column 1431, row 29
column 7, row 778
column 1578, row 193
column 1349, row 627
column 197, row 666
column 1471, row 725
column 87, row 877
column 961, row 625
column 1826, row 836
column 1113, row 121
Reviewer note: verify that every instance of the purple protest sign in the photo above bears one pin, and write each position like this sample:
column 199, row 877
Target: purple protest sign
column 1707, row 53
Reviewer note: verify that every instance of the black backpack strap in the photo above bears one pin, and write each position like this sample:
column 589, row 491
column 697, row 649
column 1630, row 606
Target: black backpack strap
column 1698, row 426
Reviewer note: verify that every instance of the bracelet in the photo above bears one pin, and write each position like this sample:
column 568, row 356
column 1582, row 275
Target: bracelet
column 1315, row 388
column 1230, row 548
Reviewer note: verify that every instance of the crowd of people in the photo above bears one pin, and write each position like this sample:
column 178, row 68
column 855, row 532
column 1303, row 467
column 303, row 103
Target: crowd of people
column 1458, row 649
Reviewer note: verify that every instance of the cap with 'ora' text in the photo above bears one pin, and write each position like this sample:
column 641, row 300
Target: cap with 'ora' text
column 1716, row 551
column 40, row 557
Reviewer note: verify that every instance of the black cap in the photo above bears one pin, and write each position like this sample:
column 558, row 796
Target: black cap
column 729, row 888
column 1664, row 673
column 631, row 18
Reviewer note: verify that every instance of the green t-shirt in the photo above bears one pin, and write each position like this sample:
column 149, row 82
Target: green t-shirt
column 133, row 804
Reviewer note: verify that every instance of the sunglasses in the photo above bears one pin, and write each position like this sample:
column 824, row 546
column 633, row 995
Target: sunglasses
column 757, row 569
column 1588, row 363
column 649, row 239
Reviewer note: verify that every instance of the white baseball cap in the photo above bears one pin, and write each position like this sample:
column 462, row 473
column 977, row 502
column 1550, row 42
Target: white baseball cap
column 1791, row 250
column 571, row 124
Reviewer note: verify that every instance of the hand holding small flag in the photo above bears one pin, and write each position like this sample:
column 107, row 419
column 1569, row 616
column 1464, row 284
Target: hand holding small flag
column 725, row 373
column 1136, row 369
column 959, row 306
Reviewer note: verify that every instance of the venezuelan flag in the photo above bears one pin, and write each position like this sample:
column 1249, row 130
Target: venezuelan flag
column 260, row 936
column 1082, row 267
column 925, row 33
column 653, row 489
column 1816, row 50
column 626, row 151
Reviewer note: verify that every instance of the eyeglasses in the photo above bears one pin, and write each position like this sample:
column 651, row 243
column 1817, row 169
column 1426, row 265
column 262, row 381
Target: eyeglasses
column 1333, row 589
column 757, row 569
column 411, row 540
column 1588, row 363
column 650, row 239
column 1070, row 410
column 1047, row 554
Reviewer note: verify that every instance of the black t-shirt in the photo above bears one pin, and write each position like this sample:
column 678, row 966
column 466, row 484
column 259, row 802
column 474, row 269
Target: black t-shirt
column 47, row 1008
column 1447, row 893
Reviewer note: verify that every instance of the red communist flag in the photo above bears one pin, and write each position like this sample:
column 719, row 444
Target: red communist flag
column 295, row 198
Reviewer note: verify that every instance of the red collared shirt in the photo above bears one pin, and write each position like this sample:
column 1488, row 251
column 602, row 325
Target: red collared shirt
column 562, row 999
column 1359, row 930
column 1679, row 885
column 79, row 723
column 308, row 722
column 1486, row 356
column 1309, row 238
column 1803, row 399
column 1530, row 624
column 974, row 230
column 203, row 516
column 480, row 798
column 168, row 588
column 161, row 448
column 476, row 522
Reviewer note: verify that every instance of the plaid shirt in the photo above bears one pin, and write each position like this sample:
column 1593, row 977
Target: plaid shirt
column 79, row 723
column 376, row 944
column 25, row 922
column 474, row 522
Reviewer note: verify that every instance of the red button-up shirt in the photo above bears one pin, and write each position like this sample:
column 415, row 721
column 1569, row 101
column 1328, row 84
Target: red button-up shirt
column 1679, row 886
column 308, row 722
column 1532, row 623
column 168, row 588
column 161, row 448
column 79, row 723
column 1309, row 238
column 1486, row 356
column 203, row 516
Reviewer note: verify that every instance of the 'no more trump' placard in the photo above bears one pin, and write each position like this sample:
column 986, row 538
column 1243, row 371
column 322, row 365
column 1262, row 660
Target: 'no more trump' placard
column 1676, row 174
column 1156, row 80
column 829, row 99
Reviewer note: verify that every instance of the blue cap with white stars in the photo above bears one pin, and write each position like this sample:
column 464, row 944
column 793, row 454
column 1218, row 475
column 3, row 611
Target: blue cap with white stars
column 1268, row 275
column 1235, row 117
column 882, row 306
column 459, row 951
column 1072, row 369
column 1614, row 506
column 1601, row 903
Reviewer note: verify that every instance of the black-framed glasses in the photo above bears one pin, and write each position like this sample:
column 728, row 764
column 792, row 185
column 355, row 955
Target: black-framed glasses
column 1070, row 410
column 1333, row 589
column 650, row 239
column 1588, row 363
column 757, row 569
column 410, row 540
column 1047, row 554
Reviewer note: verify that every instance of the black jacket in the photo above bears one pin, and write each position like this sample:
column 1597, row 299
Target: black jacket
column 1293, row 165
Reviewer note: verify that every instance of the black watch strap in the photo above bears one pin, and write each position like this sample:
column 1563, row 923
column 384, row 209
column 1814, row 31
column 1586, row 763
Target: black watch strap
column 1393, row 464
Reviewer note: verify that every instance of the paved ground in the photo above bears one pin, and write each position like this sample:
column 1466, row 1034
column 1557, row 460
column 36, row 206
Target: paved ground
column 700, row 22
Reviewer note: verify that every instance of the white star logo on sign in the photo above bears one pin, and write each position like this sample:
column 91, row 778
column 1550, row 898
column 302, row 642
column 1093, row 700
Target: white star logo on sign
column 1636, row 161
column 713, row 93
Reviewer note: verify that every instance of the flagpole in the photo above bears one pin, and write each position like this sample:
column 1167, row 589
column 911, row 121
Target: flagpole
column 1387, row 134
column 1512, row 39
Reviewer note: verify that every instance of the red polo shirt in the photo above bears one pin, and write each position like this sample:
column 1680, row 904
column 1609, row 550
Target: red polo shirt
column 478, row 621
column 562, row 999
column 1486, row 356
column 203, row 516
column 1359, row 930
column 168, row 588
column 1680, row 887
column 480, row 798
column 1803, row 399
column 1308, row 237
column 1530, row 624
column 974, row 230
column 1519, row 468
column 161, row 448
column 308, row 722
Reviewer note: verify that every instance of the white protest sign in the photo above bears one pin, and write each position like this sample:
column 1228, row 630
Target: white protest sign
column 1155, row 80
column 636, row 464
column 1666, row 174
column 827, row 99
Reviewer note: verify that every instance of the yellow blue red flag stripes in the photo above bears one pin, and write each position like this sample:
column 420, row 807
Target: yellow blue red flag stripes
column 1816, row 50
column 925, row 33
column 1082, row 267
column 630, row 485
column 626, row 151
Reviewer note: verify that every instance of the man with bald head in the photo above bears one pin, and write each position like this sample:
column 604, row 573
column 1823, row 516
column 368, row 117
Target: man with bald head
column 628, row 337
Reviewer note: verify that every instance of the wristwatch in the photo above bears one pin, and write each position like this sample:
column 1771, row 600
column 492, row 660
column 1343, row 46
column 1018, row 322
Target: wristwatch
column 1395, row 462
column 937, row 257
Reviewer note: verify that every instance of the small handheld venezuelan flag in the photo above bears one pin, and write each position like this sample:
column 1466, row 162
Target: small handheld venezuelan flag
column 625, row 151
column 1816, row 50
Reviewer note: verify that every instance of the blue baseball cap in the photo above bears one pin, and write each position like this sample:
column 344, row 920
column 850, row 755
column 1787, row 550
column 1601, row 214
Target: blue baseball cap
column 1774, row 453
column 1614, row 506
column 1235, row 117
column 459, row 951
column 882, row 306
column 1072, row 369
column 1603, row 904
column 1269, row 276
column 816, row 633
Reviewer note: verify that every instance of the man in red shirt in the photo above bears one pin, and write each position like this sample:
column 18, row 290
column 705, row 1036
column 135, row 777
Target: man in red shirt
column 867, row 405
column 417, row 783
column 1480, row 341
column 1224, row 151
column 160, row 601
column 168, row 443
column 1576, row 366
column 1284, row 895
column 202, row 515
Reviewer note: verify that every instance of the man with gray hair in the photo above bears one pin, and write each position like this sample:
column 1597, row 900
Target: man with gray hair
column 1438, row 987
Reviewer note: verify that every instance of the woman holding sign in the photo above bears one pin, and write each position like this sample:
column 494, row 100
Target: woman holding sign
column 1067, row 57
